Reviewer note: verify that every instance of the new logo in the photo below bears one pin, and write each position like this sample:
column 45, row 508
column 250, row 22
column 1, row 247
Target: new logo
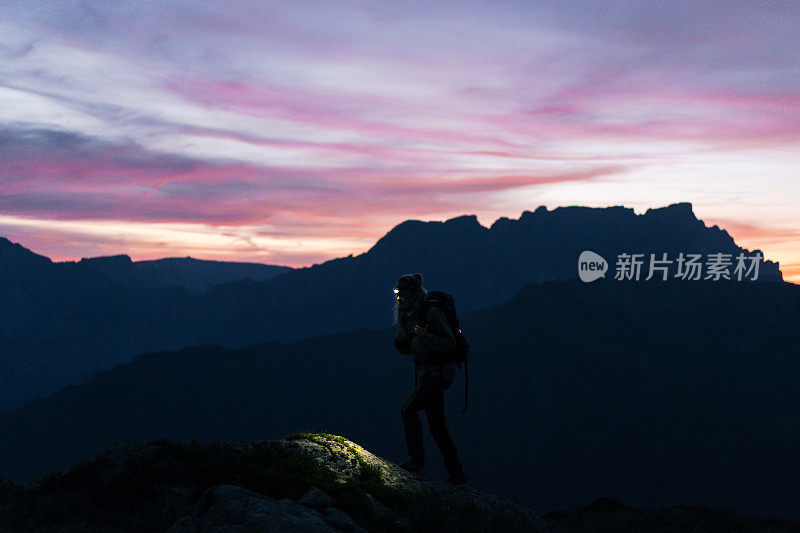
column 591, row 266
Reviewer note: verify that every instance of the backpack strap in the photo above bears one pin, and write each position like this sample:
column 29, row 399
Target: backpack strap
column 424, row 307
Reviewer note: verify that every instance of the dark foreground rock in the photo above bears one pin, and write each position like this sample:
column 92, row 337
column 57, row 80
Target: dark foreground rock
column 607, row 515
column 308, row 482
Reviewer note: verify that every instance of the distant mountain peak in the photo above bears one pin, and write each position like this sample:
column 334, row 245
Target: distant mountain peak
column 464, row 220
column 577, row 211
column 16, row 255
column 119, row 259
column 673, row 212
column 678, row 207
column 677, row 213
column 542, row 244
column 412, row 231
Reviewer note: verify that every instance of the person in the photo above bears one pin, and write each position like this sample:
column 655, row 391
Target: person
column 425, row 333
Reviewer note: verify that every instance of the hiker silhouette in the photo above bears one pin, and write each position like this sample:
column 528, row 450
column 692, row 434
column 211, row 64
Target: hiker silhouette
column 425, row 333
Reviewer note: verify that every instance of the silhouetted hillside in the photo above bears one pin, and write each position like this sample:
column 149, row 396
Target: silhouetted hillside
column 18, row 264
column 62, row 322
column 58, row 332
column 656, row 393
column 195, row 275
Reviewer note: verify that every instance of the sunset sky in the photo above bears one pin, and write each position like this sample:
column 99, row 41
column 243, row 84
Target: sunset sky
column 295, row 132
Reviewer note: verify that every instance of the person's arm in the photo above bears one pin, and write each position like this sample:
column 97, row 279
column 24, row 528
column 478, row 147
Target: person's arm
column 401, row 342
column 438, row 335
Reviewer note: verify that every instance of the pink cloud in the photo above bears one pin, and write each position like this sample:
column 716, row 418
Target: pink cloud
column 483, row 184
column 250, row 195
column 64, row 176
column 346, row 112
column 752, row 232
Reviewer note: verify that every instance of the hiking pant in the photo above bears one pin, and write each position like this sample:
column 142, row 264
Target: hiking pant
column 429, row 395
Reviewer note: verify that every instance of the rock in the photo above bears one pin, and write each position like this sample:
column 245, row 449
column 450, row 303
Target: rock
column 609, row 514
column 448, row 508
column 174, row 493
column 232, row 508
column 315, row 498
column 441, row 507
column 341, row 520
column 379, row 511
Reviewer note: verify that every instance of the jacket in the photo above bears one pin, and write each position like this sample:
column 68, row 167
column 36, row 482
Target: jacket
column 427, row 349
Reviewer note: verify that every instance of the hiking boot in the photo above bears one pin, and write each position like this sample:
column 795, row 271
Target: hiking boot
column 457, row 480
column 413, row 466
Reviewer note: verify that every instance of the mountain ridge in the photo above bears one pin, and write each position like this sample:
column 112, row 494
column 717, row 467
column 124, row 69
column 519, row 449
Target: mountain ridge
column 60, row 329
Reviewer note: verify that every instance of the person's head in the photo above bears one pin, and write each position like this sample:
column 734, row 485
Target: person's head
column 408, row 289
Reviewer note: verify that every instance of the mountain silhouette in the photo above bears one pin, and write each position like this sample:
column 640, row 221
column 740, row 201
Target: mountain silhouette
column 656, row 393
column 61, row 326
column 193, row 274
column 62, row 321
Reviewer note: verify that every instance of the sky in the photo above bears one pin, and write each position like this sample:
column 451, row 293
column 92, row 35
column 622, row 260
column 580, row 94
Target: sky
column 295, row 132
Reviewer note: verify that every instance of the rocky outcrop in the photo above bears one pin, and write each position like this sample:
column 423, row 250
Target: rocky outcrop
column 311, row 483
column 438, row 505
column 224, row 507
column 303, row 483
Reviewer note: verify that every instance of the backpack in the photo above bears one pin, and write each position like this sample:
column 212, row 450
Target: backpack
column 446, row 303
